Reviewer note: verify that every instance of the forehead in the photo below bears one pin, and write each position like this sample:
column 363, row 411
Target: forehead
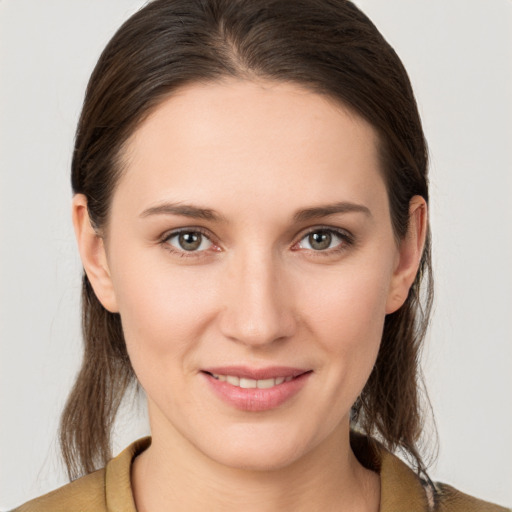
column 255, row 140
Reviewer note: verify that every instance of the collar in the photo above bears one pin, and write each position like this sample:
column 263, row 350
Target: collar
column 401, row 488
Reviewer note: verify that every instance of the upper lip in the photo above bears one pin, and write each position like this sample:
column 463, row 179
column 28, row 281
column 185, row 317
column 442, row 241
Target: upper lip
column 270, row 372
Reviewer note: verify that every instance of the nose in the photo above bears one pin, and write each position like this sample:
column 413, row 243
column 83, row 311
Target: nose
column 258, row 303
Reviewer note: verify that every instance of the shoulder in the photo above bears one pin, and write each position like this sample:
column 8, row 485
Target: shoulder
column 448, row 499
column 402, row 490
column 91, row 493
column 86, row 494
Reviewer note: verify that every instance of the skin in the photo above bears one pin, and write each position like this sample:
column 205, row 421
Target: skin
column 256, row 292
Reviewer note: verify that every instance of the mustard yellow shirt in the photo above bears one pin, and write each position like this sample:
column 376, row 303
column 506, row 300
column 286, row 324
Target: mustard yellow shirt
column 109, row 489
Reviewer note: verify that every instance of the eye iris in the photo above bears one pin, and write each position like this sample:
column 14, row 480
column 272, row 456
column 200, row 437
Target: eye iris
column 320, row 240
column 190, row 241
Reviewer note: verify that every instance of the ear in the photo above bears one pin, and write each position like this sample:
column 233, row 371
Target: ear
column 409, row 255
column 93, row 254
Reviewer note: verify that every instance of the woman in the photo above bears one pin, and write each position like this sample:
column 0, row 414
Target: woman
column 251, row 212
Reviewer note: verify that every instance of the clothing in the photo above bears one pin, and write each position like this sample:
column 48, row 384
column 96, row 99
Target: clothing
column 109, row 489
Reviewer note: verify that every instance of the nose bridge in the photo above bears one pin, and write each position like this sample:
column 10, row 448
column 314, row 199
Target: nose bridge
column 258, row 309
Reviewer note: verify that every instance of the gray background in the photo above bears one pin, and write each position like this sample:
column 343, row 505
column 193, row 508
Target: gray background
column 459, row 55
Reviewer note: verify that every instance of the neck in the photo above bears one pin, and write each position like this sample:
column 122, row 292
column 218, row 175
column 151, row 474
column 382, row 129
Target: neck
column 176, row 476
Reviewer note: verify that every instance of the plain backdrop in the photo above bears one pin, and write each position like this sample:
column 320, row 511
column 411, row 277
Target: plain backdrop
column 459, row 56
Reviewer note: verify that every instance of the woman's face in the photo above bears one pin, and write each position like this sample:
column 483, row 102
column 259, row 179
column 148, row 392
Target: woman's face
column 252, row 261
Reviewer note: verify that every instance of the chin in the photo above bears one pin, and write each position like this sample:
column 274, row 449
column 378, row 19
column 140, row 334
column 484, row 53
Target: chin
column 258, row 460
column 263, row 451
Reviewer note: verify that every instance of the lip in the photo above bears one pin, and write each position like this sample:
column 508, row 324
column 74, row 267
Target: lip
column 256, row 399
column 271, row 372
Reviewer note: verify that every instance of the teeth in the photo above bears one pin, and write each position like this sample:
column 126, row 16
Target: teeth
column 244, row 383
column 266, row 383
column 232, row 380
column 247, row 383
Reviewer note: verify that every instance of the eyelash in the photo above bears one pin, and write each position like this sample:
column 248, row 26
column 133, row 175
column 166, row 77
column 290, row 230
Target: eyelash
column 347, row 240
column 182, row 253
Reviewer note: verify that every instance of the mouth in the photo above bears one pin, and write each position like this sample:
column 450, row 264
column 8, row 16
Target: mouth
column 256, row 389
column 246, row 383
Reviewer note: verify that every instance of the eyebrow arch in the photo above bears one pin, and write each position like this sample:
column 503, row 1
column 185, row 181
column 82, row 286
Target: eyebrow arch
column 317, row 212
column 185, row 210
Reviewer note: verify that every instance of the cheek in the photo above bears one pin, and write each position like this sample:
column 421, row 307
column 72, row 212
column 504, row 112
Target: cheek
column 160, row 306
column 346, row 314
column 350, row 302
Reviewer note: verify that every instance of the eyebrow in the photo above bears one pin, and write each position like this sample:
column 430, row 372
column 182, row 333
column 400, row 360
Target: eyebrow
column 303, row 215
column 185, row 210
column 317, row 212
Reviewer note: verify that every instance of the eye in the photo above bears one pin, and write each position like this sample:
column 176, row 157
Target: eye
column 324, row 239
column 189, row 241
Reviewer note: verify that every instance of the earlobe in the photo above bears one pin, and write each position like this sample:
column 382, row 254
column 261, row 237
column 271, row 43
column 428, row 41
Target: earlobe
column 409, row 256
column 93, row 254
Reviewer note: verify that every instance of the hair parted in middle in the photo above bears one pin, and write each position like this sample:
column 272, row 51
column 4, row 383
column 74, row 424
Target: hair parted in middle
column 326, row 46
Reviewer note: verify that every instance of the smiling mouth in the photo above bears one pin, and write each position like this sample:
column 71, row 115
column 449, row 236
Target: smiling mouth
column 248, row 383
column 245, row 383
column 256, row 390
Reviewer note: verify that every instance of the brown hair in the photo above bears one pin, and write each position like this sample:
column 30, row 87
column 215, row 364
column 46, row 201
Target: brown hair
column 327, row 46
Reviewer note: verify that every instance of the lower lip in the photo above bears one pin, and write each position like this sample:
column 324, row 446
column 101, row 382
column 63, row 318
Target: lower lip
column 255, row 399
